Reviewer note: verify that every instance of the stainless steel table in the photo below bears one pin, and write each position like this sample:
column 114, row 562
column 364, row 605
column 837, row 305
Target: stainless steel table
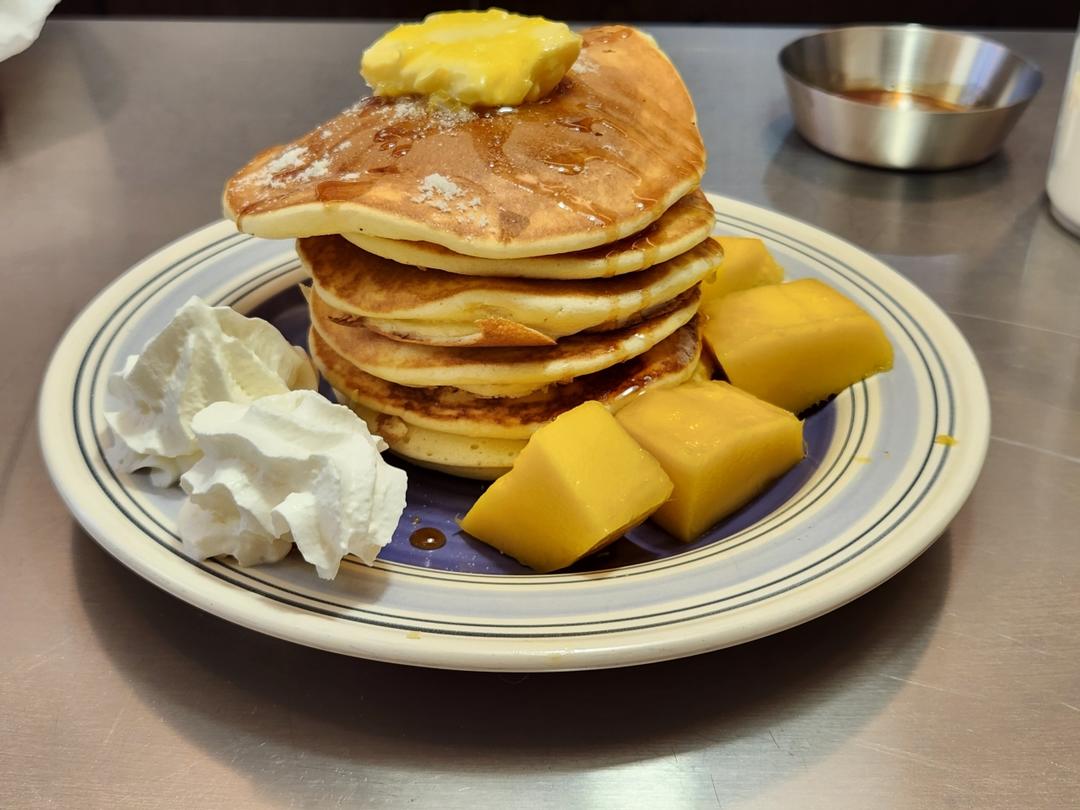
column 956, row 684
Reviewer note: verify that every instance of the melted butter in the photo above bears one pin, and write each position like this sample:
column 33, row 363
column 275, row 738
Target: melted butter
column 945, row 439
column 476, row 58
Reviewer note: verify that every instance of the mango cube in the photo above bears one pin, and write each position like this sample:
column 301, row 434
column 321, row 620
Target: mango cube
column 719, row 445
column 705, row 369
column 747, row 263
column 579, row 483
column 794, row 344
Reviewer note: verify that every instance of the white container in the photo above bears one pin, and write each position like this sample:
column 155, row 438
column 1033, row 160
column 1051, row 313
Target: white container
column 1063, row 181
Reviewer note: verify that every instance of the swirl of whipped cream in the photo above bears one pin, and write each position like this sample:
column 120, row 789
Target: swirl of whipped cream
column 289, row 468
column 206, row 354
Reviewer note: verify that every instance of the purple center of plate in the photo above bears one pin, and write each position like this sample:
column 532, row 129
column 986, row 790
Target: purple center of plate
column 436, row 500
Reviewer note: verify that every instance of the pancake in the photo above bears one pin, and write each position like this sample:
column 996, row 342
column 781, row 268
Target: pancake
column 685, row 224
column 513, row 371
column 491, row 331
column 600, row 158
column 446, row 309
column 484, row 459
column 451, row 410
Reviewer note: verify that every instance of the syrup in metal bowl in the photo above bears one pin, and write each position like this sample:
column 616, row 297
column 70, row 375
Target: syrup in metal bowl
column 905, row 100
column 905, row 96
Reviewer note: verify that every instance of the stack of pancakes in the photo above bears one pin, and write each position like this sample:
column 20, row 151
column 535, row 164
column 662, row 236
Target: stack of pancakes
column 476, row 273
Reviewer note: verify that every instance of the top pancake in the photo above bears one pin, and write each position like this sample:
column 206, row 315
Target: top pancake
column 601, row 157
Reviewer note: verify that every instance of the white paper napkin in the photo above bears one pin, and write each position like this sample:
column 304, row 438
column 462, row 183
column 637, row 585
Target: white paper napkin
column 20, row 24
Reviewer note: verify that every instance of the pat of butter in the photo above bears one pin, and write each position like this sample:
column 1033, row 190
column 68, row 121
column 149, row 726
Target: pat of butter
column 476, row 58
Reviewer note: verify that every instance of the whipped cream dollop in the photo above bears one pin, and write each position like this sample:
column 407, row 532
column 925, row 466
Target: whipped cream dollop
column 206, row 354
column 289, row 468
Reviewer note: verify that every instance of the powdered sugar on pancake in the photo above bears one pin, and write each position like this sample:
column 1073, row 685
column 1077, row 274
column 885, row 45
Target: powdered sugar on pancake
column 436, row 191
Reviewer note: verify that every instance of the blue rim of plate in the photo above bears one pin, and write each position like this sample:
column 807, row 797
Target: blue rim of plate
column 883, row 491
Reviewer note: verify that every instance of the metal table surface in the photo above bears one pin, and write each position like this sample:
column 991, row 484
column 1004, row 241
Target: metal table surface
column 955, row 684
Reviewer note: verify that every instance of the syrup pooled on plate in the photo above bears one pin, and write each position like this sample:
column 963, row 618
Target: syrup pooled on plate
column 427, row 539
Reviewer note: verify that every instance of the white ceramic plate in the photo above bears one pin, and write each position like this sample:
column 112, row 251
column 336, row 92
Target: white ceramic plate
column 878, row 487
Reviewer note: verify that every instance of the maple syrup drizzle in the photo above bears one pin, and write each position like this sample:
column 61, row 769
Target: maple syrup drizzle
column 337, row 190
column 427, row 539
column 397, row 139
column 490, row 137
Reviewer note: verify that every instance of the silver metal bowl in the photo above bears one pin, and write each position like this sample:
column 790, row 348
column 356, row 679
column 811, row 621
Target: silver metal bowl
column 905, row 96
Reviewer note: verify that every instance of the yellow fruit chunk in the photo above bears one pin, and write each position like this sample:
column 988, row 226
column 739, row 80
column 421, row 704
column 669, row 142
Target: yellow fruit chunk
column 476, row 58
column 794, row 344
column 580, row 482
column 705, row 369
column 747, row 263
column 719, row 445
